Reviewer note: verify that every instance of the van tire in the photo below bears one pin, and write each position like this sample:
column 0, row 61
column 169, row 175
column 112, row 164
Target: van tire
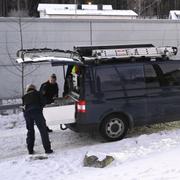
column 114, row 127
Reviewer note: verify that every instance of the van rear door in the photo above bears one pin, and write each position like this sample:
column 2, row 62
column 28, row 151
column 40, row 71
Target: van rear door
column 56, row 114
column 62, row 110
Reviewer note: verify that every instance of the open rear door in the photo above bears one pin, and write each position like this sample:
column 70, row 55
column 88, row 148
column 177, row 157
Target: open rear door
column 54, row 56
column 62, row 111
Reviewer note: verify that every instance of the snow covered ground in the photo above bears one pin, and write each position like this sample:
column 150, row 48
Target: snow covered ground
column 150, row 153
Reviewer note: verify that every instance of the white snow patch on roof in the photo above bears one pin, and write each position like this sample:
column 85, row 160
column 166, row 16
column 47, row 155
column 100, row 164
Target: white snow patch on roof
column 174, row 14
column 71, row 9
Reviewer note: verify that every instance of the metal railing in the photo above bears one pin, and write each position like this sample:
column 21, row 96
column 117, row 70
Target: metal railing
column 10, row 106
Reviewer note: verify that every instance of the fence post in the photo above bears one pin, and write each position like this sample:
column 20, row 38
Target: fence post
column 90, row 28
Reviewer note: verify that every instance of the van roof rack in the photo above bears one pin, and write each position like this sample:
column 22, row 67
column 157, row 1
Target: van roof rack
column 96, row 54
column 127, row 51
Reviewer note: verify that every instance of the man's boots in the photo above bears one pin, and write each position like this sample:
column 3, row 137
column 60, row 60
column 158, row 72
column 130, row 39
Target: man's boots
column 49, row 130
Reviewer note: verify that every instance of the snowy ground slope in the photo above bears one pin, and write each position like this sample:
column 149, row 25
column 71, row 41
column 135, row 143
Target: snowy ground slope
column 150, row 153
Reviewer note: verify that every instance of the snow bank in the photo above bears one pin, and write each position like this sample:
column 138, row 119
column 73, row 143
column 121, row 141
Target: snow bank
column 148, row 153
column 12, row 121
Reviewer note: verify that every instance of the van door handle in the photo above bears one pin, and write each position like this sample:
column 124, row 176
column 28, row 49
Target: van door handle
column 154, row 94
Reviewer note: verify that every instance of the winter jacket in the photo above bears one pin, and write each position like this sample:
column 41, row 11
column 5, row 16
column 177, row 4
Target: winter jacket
column 49, row 91
column 33, row 100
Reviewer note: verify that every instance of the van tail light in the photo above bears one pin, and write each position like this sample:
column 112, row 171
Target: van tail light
column 81, row 106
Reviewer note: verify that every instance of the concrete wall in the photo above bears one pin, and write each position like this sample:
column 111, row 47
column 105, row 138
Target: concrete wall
column 65, row 34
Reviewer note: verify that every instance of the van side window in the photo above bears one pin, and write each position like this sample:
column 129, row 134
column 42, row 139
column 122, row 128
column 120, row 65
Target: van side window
column 119, row 78
column 151, row 78
column 132, row 77
column 171, row 73
column 107, row 79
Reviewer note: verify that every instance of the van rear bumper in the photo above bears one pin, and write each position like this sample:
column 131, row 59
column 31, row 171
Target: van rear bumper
column 83, row 127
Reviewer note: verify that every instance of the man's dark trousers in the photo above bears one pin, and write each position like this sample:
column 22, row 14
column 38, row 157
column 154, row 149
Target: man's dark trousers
column 31, row 116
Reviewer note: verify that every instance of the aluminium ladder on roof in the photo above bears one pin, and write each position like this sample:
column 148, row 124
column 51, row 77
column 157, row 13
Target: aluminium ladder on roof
column 151, row 52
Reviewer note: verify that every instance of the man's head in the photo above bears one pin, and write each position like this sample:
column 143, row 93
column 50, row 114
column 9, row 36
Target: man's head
column 52, row 79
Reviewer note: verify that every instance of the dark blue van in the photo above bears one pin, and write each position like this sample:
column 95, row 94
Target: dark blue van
column 113, row 94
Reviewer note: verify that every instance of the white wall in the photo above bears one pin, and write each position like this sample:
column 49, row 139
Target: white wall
column 65, row 34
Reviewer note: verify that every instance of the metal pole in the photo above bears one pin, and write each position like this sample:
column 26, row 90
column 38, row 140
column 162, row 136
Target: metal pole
column 90, row 23
column 22, row 66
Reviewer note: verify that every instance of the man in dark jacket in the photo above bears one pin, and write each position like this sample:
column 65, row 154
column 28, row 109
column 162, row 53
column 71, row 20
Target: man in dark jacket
column 33, row 105
column 50, row 89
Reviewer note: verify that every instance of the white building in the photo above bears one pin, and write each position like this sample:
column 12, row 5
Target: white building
column 174, row 14
column 83, row 11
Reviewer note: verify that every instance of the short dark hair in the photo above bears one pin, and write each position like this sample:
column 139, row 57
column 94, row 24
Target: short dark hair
column 53, row 76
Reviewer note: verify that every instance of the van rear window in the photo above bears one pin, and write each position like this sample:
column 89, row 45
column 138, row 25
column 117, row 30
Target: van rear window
column 171, row 73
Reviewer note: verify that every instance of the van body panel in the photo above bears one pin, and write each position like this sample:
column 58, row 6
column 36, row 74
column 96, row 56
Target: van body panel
column 107, row 99
column 164, row 91
column 142, row 101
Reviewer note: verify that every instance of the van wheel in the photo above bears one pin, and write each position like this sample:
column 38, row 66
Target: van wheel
column 114, row 127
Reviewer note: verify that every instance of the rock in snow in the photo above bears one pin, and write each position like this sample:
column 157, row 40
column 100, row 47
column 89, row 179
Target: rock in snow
column 93, row 161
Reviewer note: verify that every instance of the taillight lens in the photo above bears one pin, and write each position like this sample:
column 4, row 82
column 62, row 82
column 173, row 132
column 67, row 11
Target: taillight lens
column 81, row 106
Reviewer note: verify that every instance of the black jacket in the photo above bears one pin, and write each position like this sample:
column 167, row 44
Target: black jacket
column 33, row 100
column 49, row 91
